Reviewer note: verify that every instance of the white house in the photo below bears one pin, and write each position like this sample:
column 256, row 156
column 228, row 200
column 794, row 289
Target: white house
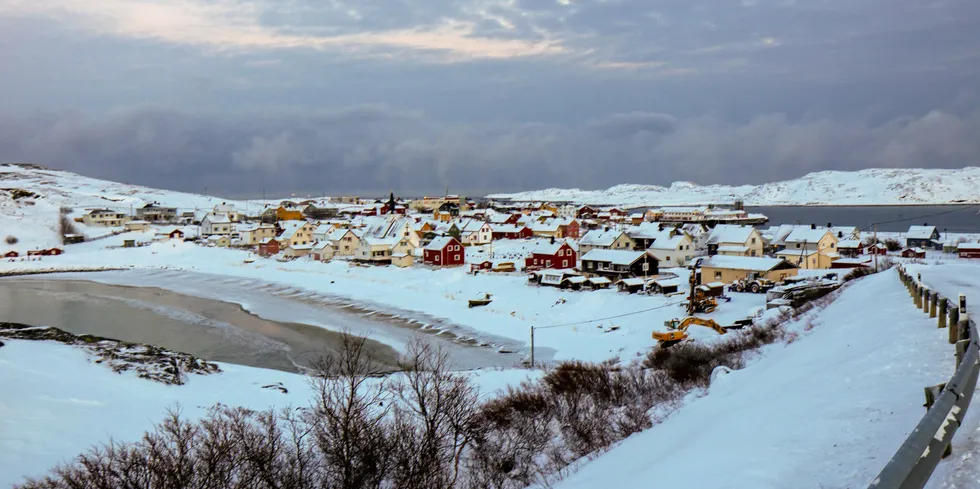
column 476, row 233
column 673, row 249
column 216, row 224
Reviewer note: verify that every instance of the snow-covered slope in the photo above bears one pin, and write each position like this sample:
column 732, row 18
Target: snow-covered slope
column 827, row 410
column 33, row 219
column 876, row 186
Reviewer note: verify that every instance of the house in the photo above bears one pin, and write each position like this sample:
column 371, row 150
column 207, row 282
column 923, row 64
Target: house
column 176, row 234
column 289, row 214
column 73, row 239
column 636, row 218
column 652, row 215
column 104, row 217
column 586, row 212
column 876, row 249
column 11, row 254
column 498, row 218
column 735, row 240
column 557, row 255
column 268, row 247
column 475, row 233
column 924, row 236
column 511, row 231
column 138, row 226
column 322, row 251
column 372, row 249
column 228, row 210
column 674, row 248
column 218, row 241
column 699, row 233
column 446, row 212
column 296, row 233
column 810, row 248
column 913, row 253
column 444, row 251
column 345, row 242
column 644, row 234
column 850, row 248
column 968, row 250
column 556, row 227
column 556, row 278
column 297, row 251
column 727, row 269
column 155, row 213
column 619, row 264
column 605, row 239
column 216, row 224
column 253, row 234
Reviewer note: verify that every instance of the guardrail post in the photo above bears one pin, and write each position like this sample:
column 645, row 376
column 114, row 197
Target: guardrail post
column 933, row 299
column 925, row 300
column 917, row 296
column 954, row 324
column 942, row 312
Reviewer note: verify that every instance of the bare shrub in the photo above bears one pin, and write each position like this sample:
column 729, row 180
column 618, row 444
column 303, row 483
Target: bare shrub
column 66, row 225
column 892, row 244
column 11, row 239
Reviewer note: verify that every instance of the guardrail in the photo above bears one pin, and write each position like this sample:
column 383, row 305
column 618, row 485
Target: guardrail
column 929, row 442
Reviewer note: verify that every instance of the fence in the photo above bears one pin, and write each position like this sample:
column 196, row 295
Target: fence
column 947, row 403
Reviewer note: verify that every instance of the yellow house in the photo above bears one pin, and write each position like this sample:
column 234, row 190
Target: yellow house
column 284, row 214
column 105, row 217
column 810, row 248
column 727, row 269
column 734, row 240
column 345, row 242
column 597, row 239
column 253, row 235
column 296, row 233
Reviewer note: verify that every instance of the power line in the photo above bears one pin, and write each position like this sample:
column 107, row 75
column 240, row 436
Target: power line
column 608, row 318
column 920, row 217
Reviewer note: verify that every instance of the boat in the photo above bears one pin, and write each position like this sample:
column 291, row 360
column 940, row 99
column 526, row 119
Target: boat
column 480, row 302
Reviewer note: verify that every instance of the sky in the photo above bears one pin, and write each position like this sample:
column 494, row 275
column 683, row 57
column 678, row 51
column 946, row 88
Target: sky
column 413, row 96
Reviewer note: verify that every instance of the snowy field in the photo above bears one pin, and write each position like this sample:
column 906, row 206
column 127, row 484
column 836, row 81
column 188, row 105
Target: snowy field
column 56, row 403
column 828, row 410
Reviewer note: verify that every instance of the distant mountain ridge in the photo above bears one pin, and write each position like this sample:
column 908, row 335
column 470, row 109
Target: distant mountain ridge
column 876, row 186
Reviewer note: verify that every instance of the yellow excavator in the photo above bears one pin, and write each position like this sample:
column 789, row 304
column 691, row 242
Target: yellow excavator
column 677, row 329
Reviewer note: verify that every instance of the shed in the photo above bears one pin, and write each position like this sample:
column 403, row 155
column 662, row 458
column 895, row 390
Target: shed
column 402, row 260
column 663, row 286
column 631, row 285
column 268, row 247
column 11, row 254
column 129, row 243
column 913, row 253
column 599, row 282
column 968, row 250
column 851, row 263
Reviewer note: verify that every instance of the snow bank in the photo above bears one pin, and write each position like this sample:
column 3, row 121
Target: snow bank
column 828, row 410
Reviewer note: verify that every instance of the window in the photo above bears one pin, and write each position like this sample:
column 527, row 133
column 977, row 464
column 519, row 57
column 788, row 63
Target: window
column 753, row 240
column 564, row 263
column 668, row 258
column 457, row 256
column 548, row 263
column 752, row 253
column 437, row 257
column 717, row 275
column 832, row 245
column 797, row 245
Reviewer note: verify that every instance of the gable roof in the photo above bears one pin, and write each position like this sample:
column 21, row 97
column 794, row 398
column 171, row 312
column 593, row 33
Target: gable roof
column 616, row 257
column 668, row 242
column 439, row 243
column 807, row 235
column 596, row 237
column 920, row 232
column 289, row 228
column 549, row 248
column 730, row 233
column 218, row 218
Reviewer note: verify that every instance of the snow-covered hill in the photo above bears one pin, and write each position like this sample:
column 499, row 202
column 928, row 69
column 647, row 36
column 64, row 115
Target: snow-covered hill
column 876, row 186
column 32, row 196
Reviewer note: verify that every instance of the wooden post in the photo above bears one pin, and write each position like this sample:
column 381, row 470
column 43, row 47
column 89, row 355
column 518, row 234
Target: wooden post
column 942, row 312
column 933, row 299
column 961, row 347
column 917, row 296
column 954, row 323
column 925, row 300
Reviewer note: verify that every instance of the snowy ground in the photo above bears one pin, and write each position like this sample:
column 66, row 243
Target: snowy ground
column 827, row 410
column 56, row 403
column 961, row 469
column 438, row 294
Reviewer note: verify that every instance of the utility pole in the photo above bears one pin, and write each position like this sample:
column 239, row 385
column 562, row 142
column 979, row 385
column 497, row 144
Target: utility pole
column 876, row 246
column 532, row 346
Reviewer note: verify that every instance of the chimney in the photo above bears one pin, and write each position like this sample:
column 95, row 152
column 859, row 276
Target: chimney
column 552, row 240
column 605, row 229
column 925, row 224
column 813, row 226
column 830, row 225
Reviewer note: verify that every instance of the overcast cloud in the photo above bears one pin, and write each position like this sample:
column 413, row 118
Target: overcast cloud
column 485, row 95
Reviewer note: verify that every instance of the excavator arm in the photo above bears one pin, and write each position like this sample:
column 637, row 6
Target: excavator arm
column 679, row 329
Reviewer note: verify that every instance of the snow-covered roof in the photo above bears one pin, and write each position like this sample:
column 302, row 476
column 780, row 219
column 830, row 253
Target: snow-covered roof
column 968, row 246
column 730, row 233
column 472, row 226
column 218, row 218
column 375, row 241
column 732, row 249
column 596, row 237
column 547, row 248
column 577, row 279
column 321, row 245
column 599, row 280
column 439, row 243
column 507, row 228
column 742, row 262
column 796, row 252
column 336, row 234
column 615, row 257
column 920, row 232
column 289, row 228
column 632, row 282
column 849, row 244
column 647, row 230
column 806, row 235
column 301, row 247
column 323, row 229
column 268, row 240
column 669, row 242
column 854, row 261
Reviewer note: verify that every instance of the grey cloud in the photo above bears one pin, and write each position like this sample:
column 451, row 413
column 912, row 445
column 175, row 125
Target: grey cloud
column 376, row 149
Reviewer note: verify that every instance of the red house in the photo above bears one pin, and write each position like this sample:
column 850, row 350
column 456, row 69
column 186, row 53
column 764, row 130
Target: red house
column 444, row 251
column 509, row 231
column 176, row 234
column 877, row 249
column 35, row 252
column 558, row 255
column 268, row 247
column 571, row 230
column 11, row 254
column 52, row 252
column 968, row 250
column 913, row 253
column 586, row 212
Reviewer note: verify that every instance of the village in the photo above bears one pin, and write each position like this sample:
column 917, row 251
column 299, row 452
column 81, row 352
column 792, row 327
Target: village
column 564, row 246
